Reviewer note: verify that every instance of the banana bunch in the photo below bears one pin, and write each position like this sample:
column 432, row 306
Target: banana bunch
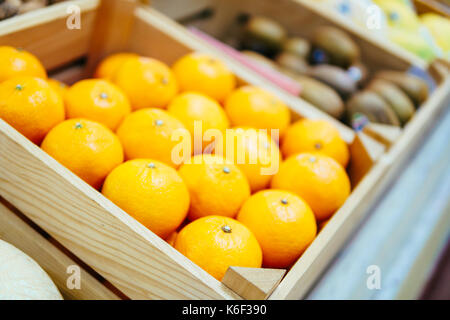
column 439, row 28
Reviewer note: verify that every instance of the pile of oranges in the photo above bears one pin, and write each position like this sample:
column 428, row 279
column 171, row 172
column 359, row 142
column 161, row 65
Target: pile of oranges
column 220, row 201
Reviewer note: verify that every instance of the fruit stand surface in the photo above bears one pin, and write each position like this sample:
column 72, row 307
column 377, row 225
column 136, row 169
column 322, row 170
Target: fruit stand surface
column 402, row 237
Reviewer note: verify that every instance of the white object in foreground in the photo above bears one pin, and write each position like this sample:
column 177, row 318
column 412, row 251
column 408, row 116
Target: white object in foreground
column 21, row 278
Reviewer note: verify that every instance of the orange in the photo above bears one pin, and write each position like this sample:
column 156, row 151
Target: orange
column 98, row 100
column 315, row 136
column 204, row 73
column 147, row 82
column 217, row 187
column 215, row 243
column 18, row 62
column 318, row 179
column 190, row 107
column 87, row 148
column 151, row 192
column 323, row 224
column 59, row 87
column 31, row 106
column 108, row 67
column 147, row 133
column 283, row 224
column 254, row 152
column 172, row 237
column 255, row 107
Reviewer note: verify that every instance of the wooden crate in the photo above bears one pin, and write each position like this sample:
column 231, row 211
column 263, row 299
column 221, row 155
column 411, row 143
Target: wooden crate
column 18, row 230
column 130, row 257
column 300, row 18
column 434, row 6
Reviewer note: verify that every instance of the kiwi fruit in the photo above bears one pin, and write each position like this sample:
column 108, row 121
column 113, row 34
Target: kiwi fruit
column 335, row 77
column 413, row 86
column 298, row 46
column 321, row 96
column 292, row 62
column 9, row 8
column 395, row 97
column 31, row 5
column 371, row 105
column 259, row 59
column 263, row 35
column 339, row 46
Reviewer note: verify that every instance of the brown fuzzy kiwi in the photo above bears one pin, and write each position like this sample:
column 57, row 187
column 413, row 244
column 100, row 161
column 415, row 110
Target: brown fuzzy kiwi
column 292, row 62
column 32, row 5
column 335, row 77
column 340, row 47
column 259, row 59
column 395, row 97
column 298, row 46
column 371, row 105
column 321, row 96
column 263, row 35
column 9, row 8
column 413, row 86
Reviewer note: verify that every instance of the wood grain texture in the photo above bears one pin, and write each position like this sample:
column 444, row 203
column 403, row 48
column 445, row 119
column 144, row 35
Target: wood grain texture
column 131, row 257
column 111, row 31
column 328, row 242
column 386, row 134
column 434, row 6
column 303, row 274
column 364, row 153
column 18, row 233
column 92, row 227
column 253, row 283
column 404, row 234
column 45, row 34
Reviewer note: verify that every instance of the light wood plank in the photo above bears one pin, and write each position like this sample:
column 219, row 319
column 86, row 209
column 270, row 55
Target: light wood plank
column 253, row 283
column 405, row 231
column 131, row 257
column 303, row 274
column 100, row 221
column 108, row 36
column 119, row 248
column 18, row 233
column 45, row 34
column 426, row 6
column 364, row 153
column 383, row 133
column 328, row 242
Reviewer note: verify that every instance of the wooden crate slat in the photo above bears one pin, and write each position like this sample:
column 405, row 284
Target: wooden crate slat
column 18, row 233
column 131, row 257
column 45, row 34
column 303, row 274
column 115, row 245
